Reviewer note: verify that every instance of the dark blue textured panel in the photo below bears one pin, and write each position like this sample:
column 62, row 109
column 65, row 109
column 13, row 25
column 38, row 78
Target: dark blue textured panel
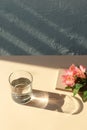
column 43, row 27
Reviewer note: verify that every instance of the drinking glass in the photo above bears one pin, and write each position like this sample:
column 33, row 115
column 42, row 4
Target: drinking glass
column 21, row 86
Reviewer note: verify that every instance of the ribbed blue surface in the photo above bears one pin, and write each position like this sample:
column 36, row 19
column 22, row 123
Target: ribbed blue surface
column 43, row 27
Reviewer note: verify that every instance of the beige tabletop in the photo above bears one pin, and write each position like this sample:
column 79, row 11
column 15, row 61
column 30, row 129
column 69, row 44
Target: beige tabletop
column 14, row 116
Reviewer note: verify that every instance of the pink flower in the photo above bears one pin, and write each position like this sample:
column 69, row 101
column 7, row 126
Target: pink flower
column 68, row 80
column 78, row 72
column 75, row 78
column 82, row 68
column 72, row 73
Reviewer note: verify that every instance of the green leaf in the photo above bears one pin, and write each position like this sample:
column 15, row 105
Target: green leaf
column 84, row 97
column 68, row 88
column 77, row 88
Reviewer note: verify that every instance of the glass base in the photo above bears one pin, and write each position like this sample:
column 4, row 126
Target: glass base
column 21, row 99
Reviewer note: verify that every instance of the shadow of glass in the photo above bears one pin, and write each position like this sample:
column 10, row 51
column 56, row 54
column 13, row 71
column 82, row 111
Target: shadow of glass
column 55, row 102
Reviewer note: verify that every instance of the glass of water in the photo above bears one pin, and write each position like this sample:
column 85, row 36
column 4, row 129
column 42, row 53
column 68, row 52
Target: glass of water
column 21, row 86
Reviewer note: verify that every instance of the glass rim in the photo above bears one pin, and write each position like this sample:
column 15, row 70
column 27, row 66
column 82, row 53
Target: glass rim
column 19, row 71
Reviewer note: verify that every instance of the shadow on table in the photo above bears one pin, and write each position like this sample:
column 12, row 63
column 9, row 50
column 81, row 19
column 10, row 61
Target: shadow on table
column 52, row 61
column 55, row 102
